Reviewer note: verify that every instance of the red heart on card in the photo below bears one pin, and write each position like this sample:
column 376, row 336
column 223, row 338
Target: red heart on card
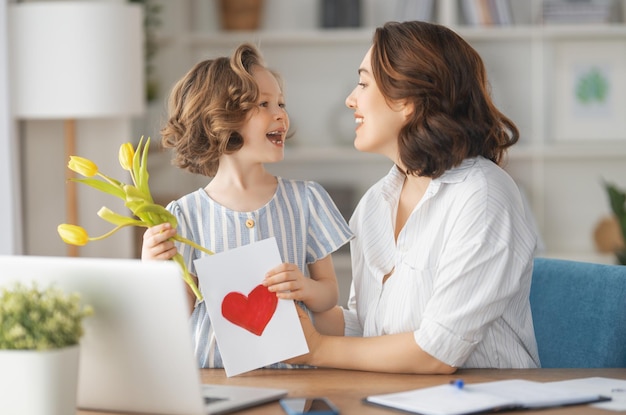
column 252, row 312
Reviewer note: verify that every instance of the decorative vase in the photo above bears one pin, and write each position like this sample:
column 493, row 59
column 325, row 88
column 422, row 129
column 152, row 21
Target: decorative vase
column 241, row 14
column 37, row 382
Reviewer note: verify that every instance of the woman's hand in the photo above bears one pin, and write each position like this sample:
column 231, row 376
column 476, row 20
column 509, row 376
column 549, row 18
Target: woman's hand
column 157, row 244
column 313, row 340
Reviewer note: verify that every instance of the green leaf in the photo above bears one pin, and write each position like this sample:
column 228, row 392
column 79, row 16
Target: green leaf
column 146, row 217
column 135, row 194
column 617, row 200
column 140, row 168
column 136, row 162
column 117, row 219
column 102, row 186
column 158, row 210
column 144, row 170
column 187, row 277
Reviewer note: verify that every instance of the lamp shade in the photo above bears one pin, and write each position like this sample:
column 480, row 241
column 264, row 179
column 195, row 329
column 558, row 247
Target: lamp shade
column 76, row 59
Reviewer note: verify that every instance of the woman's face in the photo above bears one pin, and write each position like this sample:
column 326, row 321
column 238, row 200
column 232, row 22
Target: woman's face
column 377, row 123
column 265, row 130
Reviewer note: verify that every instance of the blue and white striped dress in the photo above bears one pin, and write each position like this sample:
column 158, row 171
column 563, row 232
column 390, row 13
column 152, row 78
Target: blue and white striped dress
column 301, row 216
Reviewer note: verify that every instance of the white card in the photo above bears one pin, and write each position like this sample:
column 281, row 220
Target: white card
column 248, row 333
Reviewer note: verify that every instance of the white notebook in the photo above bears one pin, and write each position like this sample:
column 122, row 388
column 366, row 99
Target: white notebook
column 449, row 399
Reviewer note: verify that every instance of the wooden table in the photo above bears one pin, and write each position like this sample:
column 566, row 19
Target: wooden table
column 346, row 388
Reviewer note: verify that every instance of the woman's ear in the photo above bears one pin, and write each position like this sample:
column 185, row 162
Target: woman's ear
column 407, row 109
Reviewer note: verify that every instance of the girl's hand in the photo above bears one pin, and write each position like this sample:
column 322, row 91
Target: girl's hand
column 288, row 282
column 157, row 244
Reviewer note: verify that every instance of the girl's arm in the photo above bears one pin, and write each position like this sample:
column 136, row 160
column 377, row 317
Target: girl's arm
column 320, row 292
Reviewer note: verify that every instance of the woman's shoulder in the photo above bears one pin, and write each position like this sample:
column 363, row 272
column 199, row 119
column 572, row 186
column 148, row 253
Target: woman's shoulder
column 493, row 175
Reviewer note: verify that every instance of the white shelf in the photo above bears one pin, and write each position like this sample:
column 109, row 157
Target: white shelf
column 570, row 151
column 520, row 152
column 561, row 178
column 270, row 38
column 278, row 38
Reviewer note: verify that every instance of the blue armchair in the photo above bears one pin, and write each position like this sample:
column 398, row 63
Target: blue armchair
column 579, row 313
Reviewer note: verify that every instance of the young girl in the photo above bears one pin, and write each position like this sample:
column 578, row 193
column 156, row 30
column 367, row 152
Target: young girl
column 227, row 118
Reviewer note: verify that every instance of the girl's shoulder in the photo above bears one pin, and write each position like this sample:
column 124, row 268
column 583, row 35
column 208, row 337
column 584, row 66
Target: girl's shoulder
column 300, row 186
column 189, row 201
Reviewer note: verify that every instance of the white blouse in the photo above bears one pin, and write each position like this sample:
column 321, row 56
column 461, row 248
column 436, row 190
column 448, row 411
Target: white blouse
column 462, row 268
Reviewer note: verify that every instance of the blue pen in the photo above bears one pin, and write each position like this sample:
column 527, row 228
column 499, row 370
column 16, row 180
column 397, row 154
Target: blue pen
column 457, row 383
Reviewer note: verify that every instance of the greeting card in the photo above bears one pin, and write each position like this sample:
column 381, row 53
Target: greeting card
column 253, row 328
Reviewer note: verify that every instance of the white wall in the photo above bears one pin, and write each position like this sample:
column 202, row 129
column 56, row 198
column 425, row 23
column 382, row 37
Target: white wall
column 43, row 185
column 10, row 210
column 42, row 180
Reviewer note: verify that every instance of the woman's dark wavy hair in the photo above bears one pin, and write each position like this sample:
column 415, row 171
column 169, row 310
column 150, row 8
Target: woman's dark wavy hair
column 207, row 107
column 444, row 78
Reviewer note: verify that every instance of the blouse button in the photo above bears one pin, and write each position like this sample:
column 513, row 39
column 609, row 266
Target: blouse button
column 250, row 223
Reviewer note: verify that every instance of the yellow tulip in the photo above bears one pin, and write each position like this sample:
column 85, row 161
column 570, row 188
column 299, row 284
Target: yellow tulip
column 126, row 154
column 73, row 234
column 136, row 196
column 82, row 166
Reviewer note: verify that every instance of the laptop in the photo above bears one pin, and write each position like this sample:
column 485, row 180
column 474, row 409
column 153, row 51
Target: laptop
column 136, row 354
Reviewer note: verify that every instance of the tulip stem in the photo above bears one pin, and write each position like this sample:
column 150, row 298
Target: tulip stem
column 193, row 244
column 112, row 231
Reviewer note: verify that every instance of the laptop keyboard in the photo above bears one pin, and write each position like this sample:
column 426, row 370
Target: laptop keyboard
column 212, row 399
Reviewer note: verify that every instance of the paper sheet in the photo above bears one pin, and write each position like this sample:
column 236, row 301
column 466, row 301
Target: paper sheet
column 229, row 282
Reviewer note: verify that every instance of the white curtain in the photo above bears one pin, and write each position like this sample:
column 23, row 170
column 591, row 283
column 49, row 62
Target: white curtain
column 10, row 205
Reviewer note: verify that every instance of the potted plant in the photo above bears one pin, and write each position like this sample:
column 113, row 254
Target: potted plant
column 40, row 330
column 617, row 199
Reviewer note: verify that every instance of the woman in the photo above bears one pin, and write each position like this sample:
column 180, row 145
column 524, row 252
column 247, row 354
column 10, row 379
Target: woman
column 443, row 254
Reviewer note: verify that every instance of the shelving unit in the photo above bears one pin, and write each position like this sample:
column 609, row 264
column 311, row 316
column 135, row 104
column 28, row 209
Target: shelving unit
column 561, row 179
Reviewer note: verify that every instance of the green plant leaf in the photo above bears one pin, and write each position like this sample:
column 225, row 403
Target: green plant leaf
column 158, row 210
column 617, row 200
column 102, row 186
column 117, row 219
column 178, row 258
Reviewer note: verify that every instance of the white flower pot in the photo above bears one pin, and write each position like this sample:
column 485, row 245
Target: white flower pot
column 39, row 382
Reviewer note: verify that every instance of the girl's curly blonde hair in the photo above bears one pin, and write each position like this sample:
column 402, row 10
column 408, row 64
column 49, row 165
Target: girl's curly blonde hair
column 208, row 106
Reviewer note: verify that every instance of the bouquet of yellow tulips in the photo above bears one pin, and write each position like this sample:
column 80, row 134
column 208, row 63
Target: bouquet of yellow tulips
column 136, row 197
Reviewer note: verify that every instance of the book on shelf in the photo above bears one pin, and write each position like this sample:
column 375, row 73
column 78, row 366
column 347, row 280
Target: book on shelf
column 504, row 395
column 422, row 10
column 580, row 11
column 487, row 12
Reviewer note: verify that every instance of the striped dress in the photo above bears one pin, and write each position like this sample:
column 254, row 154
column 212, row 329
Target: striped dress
column 301, row 216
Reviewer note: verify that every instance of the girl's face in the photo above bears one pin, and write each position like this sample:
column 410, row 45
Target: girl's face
column 377, row 123
column 266, row 128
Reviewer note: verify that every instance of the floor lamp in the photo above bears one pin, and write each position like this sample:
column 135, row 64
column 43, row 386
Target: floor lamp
column 72, row 61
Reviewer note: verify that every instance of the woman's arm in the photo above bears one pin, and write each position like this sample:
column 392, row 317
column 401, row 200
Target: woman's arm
column 330, row 322
column 393, row 353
